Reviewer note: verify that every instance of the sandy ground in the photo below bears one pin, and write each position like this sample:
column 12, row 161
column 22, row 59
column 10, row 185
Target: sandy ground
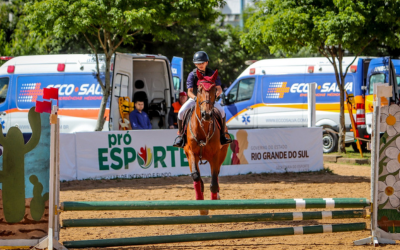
column 346, row 181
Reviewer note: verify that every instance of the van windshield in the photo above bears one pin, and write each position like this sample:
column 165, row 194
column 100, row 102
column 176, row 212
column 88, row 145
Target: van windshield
column 3, row 89
column 376, row 78
column 177, row 86
column 398, row 82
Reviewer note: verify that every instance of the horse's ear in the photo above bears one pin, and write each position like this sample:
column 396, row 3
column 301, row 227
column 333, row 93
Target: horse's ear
column 214, row 76
column 199, row 75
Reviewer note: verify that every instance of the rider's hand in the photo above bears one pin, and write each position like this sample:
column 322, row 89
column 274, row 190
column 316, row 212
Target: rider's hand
column 171, row 127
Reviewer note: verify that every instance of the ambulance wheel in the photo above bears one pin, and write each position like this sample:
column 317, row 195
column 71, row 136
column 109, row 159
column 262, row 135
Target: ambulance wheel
column 363, row 147
column 329, row 141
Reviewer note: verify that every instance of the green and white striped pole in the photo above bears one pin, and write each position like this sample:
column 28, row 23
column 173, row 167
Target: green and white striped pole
column 217, row 235
column 328, row 203
column 297, row 216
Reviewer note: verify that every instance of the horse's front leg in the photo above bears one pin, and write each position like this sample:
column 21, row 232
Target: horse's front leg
column 214, row 187
column 197, row 181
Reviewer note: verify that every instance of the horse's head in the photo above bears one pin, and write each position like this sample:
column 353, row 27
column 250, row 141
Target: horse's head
column 206, row 94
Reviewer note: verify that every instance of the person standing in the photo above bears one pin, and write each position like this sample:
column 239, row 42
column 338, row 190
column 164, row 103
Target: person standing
column 138, row 118
column 174, row 110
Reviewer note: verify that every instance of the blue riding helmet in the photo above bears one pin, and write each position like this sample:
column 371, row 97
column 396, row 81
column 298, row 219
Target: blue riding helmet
column 200, row 57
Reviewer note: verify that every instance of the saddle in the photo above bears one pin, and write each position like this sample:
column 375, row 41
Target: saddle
column 188, row 114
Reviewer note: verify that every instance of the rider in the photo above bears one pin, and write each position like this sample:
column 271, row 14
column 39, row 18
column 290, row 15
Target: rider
column 200, row 59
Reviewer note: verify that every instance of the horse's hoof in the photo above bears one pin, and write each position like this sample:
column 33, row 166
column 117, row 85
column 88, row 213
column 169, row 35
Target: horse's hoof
column 218, row 197
column 203, row 212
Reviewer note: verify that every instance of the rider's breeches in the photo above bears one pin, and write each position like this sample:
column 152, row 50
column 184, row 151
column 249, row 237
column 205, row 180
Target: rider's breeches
column 190, row 103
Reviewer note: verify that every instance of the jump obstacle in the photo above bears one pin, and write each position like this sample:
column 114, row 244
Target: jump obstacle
column 327, row 203
column 323, row 203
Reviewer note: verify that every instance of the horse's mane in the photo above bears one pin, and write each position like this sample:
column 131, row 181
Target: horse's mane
column 206, row 82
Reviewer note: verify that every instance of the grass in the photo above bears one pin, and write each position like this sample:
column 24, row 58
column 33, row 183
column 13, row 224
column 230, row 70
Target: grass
column 350, row 153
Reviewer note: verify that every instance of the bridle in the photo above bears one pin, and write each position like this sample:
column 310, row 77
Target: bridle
column 208, row 101
column 201, row 121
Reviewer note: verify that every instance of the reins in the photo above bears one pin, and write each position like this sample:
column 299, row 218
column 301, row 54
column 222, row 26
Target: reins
column 202, row 143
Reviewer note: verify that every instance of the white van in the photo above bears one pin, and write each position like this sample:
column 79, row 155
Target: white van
column 273, row 93
column 22, row 80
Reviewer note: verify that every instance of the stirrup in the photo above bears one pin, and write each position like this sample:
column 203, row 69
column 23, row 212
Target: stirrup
column 179, row 141
column 225, row 140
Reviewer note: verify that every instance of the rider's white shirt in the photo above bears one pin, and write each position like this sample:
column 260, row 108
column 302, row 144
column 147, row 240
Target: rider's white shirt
column 190, row 103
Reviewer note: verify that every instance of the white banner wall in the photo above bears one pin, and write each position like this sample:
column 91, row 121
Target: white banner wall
column 68, row 167
column 148, row 153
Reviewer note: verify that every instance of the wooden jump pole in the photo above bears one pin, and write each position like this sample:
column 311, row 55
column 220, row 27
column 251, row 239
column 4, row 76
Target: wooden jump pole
column 217, row 235
column 216, row 204
column 298, row 216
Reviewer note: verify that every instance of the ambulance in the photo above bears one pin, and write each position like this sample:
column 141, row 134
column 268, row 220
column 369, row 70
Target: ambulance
column 137, row 76
column 272, row 93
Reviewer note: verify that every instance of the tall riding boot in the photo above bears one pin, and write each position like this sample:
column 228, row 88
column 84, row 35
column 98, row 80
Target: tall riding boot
column 179, row 141
column 223, row 134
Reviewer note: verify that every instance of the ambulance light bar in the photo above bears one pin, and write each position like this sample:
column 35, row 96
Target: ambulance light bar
column 6, row 58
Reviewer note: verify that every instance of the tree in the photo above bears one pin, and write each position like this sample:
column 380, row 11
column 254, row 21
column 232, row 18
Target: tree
column 16, row 38
column 106, row 24
column 4, row 26
column 327, row 27
column 222, row 46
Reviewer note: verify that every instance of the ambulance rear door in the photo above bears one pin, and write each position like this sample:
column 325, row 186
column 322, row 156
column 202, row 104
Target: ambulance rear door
column 177, row 75
column 121, row 86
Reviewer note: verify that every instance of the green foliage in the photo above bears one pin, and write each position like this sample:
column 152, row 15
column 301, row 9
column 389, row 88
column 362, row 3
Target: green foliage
column 290, row 25
column 222, row 46
column 16, row 38
column 326, row 27
column 4, row 47
column 112, row 22
column 106, row 24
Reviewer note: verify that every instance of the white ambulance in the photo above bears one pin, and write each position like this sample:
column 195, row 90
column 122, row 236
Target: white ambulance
column 23, row 78
column 273, row 93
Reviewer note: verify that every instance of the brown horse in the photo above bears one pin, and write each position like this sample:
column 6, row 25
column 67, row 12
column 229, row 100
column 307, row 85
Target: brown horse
column 203, row 138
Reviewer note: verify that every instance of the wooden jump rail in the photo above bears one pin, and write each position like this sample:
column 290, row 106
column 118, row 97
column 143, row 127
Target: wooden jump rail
column 327, row 203
column 216, row 204
column 147, row 221
column 217, row 235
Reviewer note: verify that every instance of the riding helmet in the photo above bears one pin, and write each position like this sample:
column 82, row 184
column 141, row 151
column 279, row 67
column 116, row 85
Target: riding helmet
column 200, row 57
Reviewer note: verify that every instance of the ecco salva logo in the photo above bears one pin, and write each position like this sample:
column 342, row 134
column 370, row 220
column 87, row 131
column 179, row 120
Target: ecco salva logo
column 145, row 157
column 123, row 152
column 277, row 90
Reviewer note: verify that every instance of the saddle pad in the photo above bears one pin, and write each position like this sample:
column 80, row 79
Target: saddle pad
column 218, row 117
column 188, row 114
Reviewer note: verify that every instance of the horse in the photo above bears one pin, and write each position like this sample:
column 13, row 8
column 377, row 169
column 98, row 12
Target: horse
column 203, row 138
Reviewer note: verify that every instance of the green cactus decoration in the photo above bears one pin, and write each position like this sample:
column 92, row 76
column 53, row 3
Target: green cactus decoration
column 38, row 201
column 13, row 175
